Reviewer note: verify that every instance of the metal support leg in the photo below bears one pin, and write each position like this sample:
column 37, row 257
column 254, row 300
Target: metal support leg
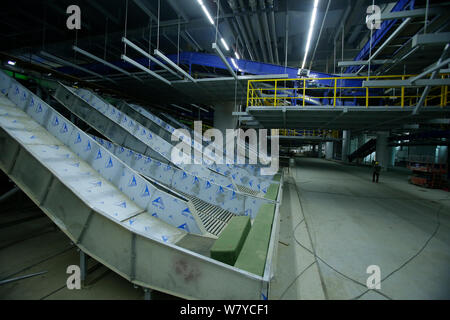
column 8, row 194
column 83, row 266
column 147, row 294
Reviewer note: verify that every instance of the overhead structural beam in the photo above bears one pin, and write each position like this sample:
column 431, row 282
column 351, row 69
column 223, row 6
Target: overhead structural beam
column 431, row 69
column 145, row 69
column 432, row 77
column 224, row 60
column 431, row 39
column 147, row 55
column 363, row 62
column 70, row 64
column 388, row 41
column 146, row 10
column 416, row 13
column 173, row 65
column 106, row 63
column 405, row 83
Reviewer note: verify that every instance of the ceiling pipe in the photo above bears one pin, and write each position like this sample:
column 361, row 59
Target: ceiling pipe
column 274, row 29
column 249, row 28
column 241, row 28
column 266, row 29
column 147, row 55
column 67, row 63
column 258, row 27
column 106, row 63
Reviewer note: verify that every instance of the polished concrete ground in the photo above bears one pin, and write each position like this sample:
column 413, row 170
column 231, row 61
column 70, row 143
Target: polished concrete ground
column 351, row 223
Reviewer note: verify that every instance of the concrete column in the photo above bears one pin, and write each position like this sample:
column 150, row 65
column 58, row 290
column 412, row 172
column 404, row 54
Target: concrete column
column 345, row 145
column 383, row 152
column 320, row 150
column 329, row 146
column 223, row 118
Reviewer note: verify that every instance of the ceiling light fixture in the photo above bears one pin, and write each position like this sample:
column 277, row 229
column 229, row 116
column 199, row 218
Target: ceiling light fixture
column 225, row 45
column 237, row 55
column 11, row 63
column 200, row 2
column 310, row 32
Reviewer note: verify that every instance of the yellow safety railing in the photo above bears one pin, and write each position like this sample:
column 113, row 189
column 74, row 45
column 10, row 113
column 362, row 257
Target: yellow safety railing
column 336, row 91
column 309, row 133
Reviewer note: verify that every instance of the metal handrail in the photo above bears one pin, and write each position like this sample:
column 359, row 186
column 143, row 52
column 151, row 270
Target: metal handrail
column 297, row 91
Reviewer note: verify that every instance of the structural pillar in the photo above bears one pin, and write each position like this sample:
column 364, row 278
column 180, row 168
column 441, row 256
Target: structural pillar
column 345, row 145
column 329, row 146
column 383, row 153
column 320, row 150
column 223, row 117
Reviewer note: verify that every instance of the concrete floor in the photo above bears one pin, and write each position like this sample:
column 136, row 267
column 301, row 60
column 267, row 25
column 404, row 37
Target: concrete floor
column 334, row 223
column 351, row 223
column 31, row 243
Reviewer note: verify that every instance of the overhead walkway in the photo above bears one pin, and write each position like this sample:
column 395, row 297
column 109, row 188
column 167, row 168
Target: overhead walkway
column 149, row 235
column 344, row 102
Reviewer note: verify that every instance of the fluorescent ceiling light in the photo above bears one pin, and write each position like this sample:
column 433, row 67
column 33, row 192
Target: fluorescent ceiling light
column 225, row 45
column 11, row 63
column 181, row 108
column 310, row 32
column 200, row 2
column 237, row 55
column 234, row 64
column 196, row 106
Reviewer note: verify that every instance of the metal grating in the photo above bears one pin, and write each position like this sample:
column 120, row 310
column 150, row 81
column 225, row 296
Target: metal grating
column 247, row 190
column 214, row 218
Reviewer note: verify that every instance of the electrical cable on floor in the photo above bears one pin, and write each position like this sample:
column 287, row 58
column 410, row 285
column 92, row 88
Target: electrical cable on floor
column 319, row 258
column 412, row 257
column 295, row 279
column 349, row 278
column 37, row 263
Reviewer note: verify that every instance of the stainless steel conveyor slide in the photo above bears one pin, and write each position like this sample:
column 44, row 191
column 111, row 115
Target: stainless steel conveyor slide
column 128, row 132
column 150, row 237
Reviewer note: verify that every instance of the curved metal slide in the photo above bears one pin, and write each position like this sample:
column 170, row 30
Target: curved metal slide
column 148, row 235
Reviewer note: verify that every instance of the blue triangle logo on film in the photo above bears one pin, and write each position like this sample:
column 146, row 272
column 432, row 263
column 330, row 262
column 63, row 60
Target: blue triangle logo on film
column 55, row 121
column 186, row 211
column 76, row 164
column 155, row 215
column 148, row 160
column 123, row 204
column 143, row 132
column 208, row 185
column 164, row 238
column 121, row 150
column 158, row 202
column 110, row 163
column 99, row 155
column 195, row 180
column 97, row 184
column 150, row 136
column 88, row 146
column 184, row 175
column 64, row 128
column 221, row 190
column 184, row 226
column 146, row 192
column 78, row 140
column 32, row 102
column 133, row 182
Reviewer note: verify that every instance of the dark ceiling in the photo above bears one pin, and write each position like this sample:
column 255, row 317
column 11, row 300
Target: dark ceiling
column 29, row 27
